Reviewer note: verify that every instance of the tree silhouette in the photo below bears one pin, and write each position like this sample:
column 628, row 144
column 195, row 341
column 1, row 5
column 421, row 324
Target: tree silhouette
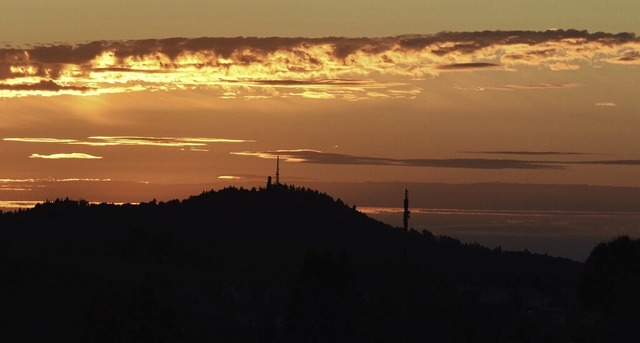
column 326, row 303
column 273, row 264
column 611, row 280
column 610, row 287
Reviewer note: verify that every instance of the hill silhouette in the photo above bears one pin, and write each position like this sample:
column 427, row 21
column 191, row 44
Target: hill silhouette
column 277, row 264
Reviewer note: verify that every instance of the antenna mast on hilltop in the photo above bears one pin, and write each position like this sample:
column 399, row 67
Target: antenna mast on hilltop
column 277, row 169
column 269, row 185
column 405, row 217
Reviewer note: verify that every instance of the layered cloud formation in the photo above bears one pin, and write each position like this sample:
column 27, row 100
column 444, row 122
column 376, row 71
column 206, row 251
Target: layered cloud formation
column 192, row 143
column 333, row 67
column 28, row 184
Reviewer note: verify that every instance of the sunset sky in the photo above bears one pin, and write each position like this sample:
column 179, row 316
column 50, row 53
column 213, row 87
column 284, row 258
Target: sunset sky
column 127, row 101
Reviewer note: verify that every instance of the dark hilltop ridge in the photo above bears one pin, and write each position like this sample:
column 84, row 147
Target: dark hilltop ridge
column 288, row 264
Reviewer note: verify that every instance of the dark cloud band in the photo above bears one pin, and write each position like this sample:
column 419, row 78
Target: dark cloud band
column 312, row 156
column 44, row 85
column 531, row 153
column 318, row 157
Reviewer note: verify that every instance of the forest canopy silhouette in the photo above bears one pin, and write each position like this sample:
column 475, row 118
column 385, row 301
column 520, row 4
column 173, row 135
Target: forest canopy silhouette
column 290, row 264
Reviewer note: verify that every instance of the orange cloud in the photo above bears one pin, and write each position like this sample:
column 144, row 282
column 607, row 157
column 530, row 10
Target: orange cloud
column 332, row 67
column 229, row 177
column 73, row 155
column 133, row 140
column 39, row 140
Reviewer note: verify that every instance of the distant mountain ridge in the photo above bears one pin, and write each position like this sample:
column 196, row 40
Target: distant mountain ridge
column 244, row 264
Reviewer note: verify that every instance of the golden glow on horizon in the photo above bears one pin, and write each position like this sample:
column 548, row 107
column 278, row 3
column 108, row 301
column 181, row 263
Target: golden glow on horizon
column 17, row 204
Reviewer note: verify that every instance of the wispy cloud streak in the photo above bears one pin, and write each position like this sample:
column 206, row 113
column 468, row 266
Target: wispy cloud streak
column 35, row 180
column 606, row 104
column 530, row 153
column 531, row 86
column 29, row 184
column 132, row 141
column 609, row 162
column 73, row 155
column 319, row 157
column 332, row 67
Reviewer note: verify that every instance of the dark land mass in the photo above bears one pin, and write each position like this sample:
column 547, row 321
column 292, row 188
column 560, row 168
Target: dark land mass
column 287, row 264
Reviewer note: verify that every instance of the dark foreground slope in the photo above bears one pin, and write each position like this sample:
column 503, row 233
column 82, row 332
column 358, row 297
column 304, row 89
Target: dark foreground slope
column 282, row 264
